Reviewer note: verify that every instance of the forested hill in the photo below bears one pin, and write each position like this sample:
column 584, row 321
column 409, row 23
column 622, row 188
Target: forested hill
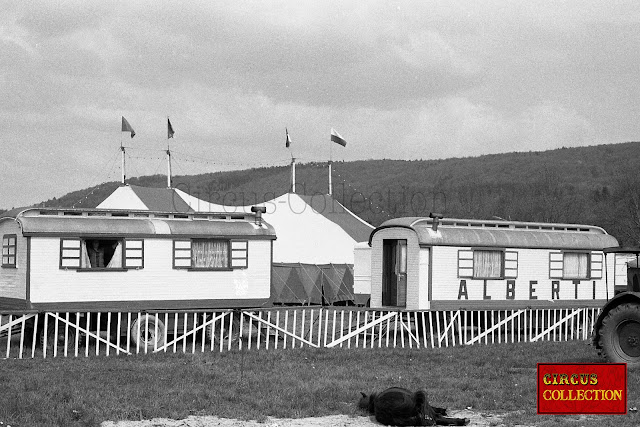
column 596, row 185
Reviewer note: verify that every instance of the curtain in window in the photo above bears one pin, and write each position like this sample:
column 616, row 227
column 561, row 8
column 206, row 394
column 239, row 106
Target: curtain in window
column 210, row 253
column 116, row 259
column 487, row 264
column 84, row 256
column 575, row 265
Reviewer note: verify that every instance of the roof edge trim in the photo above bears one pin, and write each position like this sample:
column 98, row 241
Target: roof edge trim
column 382, row 227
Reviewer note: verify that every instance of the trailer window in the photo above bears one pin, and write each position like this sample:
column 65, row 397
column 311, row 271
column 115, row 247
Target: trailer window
column 101, row 254
column 488, row 264
column 210, row 254
column 575, row 265
column 9, row 244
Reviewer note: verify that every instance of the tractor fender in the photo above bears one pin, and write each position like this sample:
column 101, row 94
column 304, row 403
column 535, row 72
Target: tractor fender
column 621, row 298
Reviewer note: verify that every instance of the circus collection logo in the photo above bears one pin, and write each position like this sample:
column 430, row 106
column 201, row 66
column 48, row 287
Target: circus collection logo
column 581, row 388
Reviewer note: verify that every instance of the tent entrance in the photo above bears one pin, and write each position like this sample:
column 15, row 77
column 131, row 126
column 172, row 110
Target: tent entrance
column 394, row 272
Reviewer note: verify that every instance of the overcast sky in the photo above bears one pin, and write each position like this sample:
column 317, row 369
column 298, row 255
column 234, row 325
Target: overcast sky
column 397, row 79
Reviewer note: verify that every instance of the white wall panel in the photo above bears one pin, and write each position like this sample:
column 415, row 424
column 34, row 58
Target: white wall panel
column 533, row 265
column 156, row 281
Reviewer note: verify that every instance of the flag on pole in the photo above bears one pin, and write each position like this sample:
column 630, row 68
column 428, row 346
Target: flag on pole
column 169, row 129
column 288, row 140
column 335, row 137
column 126, row 127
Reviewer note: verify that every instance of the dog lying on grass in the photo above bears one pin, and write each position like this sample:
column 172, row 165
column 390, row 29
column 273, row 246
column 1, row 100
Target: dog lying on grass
column 397, row 406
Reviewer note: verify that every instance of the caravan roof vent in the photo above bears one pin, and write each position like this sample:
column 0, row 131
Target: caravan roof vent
column 436, row 219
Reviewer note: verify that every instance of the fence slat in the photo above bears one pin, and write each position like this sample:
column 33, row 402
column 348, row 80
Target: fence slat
column 284, row 331
column 361, row 329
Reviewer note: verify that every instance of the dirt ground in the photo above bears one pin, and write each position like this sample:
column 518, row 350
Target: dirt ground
column 477, row 419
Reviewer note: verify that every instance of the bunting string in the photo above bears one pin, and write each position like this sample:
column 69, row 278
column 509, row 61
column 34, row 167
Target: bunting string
column 178, row 164
column 355, row 190
column 200, row 159
column 111, row 170
column 184, row 162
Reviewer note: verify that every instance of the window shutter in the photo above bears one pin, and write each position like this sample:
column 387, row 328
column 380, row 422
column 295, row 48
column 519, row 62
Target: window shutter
column 70, row 253
column 510, row 264
column 239, row 253
column 182, row 254
column 556, row 265
column 596, row 265
column 134, row 253
column 465, row 263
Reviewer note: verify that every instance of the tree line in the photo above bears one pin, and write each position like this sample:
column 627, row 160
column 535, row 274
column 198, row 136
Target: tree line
column 595, row 185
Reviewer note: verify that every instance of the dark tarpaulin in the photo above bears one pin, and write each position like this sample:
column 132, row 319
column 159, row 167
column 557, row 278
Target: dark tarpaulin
column 288, row 286
column 338, row 283
column 312, row 284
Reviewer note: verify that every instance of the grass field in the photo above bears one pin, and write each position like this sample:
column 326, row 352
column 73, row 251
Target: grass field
column 286, row 383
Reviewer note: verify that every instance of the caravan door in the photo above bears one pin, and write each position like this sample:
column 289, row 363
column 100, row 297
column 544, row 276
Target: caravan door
column 394, row 272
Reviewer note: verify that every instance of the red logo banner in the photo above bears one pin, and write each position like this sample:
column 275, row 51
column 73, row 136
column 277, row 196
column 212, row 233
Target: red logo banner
column 582, row 388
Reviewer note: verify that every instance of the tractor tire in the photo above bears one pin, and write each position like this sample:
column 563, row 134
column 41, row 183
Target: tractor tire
column 620, row 335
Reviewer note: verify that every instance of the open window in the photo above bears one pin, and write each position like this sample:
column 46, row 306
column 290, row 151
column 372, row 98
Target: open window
column 101, row 254
column 210, row 254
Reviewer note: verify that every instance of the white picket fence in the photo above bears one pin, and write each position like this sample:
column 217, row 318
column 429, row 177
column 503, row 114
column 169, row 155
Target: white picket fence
column 55, row 334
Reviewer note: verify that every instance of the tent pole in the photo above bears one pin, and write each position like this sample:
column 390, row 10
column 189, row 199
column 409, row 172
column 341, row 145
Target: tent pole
column 124, row 176
column 330, row 161
column 293, row 174
column 330, row 184
column 169, row 136
column 168, row 168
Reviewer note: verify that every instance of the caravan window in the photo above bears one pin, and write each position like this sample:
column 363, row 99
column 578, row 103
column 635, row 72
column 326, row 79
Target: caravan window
column 488, row 264
column 9, row 250
column 101, row 254
column 210, row 254
column 575, row 265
